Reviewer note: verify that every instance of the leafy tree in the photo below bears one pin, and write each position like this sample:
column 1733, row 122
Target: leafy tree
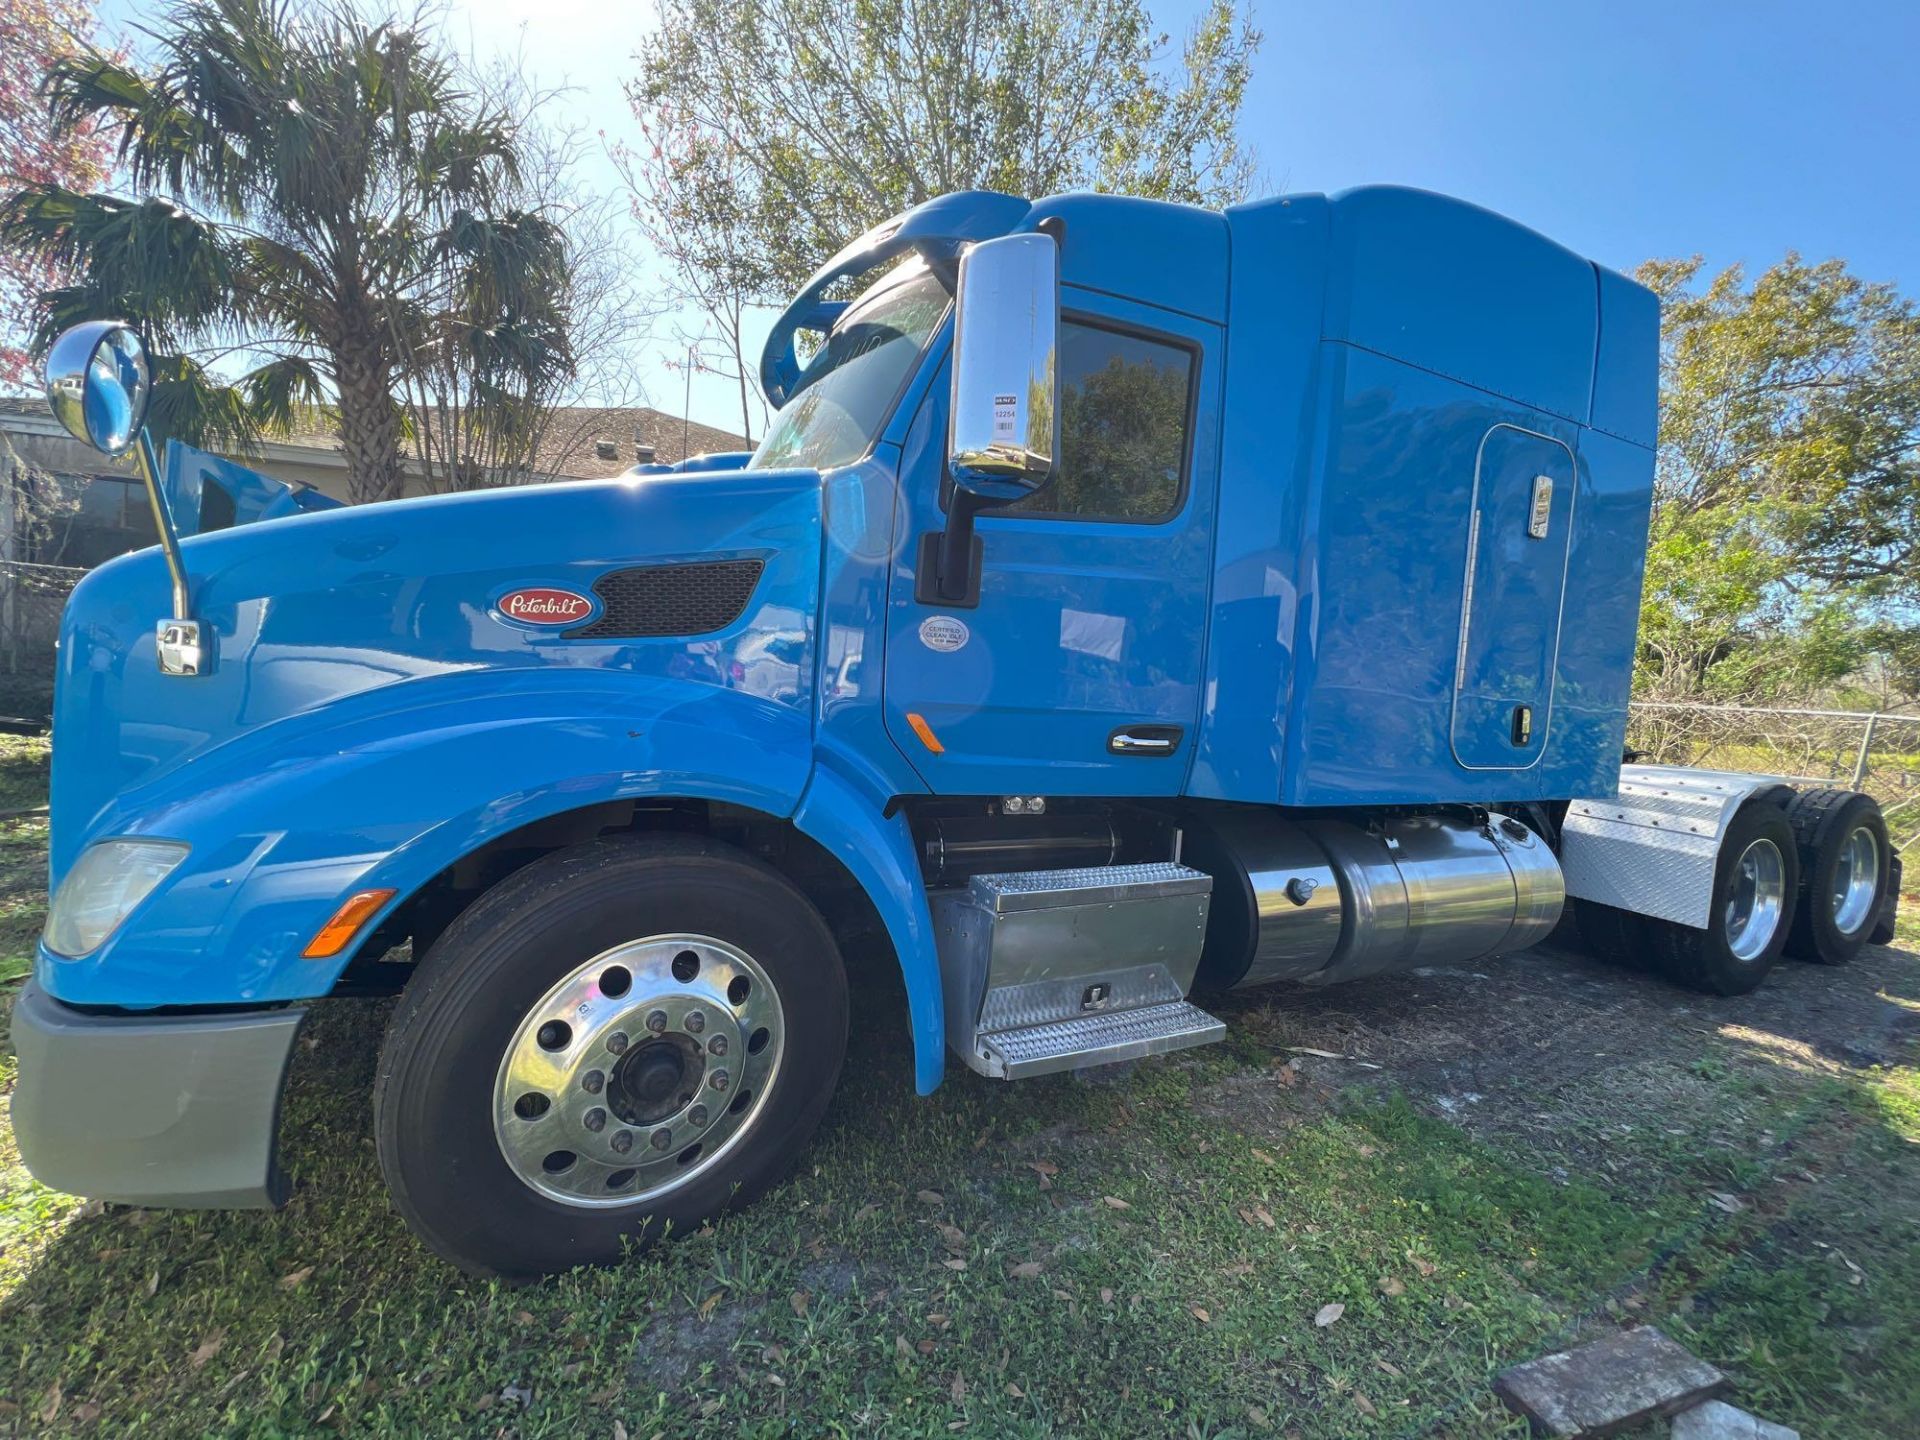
column 327, row 199
column 1785, row 549
column 33, row 35
column 777, row 130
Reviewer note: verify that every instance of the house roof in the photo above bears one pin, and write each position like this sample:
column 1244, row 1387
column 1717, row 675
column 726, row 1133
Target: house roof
column 575, row 434
column 570, row 448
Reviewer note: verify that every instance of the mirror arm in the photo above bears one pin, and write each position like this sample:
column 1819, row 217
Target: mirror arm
column 959, row 572
column 163, row 523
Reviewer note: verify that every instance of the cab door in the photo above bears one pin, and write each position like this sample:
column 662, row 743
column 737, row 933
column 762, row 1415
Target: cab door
column 1078, row 673
column 1517, row 546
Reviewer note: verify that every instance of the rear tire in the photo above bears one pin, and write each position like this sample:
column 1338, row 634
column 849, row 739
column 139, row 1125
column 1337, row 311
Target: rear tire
column 1883, row 926
column 1846, row 867
column 550, row 1038
column 1617, row 936
column 1755, row 881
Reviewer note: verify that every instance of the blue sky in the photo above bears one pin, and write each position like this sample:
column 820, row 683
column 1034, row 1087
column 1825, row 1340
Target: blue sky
column 1624, row 130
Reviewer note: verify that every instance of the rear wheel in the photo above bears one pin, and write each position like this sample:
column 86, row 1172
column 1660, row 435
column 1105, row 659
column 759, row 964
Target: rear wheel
column 1617, row 936
column 621, row 1037
column 1883, row 925
column 1846, row 862
column 1754, row 883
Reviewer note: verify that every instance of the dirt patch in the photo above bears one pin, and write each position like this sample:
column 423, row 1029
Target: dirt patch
column 1553, row 1041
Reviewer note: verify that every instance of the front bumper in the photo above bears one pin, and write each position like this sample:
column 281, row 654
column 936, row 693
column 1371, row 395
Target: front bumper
column 172, row 1110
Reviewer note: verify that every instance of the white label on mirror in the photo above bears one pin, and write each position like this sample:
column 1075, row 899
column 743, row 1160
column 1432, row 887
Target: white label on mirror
column 1006, row 420
column 943, row 632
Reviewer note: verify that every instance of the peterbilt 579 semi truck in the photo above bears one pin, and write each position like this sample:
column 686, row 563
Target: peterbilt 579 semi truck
column 1128, row 603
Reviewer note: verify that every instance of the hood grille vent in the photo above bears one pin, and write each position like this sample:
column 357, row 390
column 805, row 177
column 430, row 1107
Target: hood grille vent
column 655, row 600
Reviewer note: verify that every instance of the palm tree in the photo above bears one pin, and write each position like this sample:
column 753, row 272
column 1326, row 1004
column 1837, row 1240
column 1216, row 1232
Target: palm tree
column 329, row 204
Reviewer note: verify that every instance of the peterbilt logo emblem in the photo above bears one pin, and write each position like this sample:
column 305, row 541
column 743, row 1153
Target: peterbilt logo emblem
column 543, row 605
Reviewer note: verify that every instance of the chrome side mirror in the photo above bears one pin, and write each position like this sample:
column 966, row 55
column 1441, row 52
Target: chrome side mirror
column 98, row 384
column 1003, row 418
column 1003, row 426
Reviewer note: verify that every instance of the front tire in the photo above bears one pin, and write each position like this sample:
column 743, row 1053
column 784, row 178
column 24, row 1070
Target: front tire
column 621, row 1037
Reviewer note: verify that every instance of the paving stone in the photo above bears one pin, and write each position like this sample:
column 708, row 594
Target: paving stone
column 1717, row 1420
column 1610, row 1385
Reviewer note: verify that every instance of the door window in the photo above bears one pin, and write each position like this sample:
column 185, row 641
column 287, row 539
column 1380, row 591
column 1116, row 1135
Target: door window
column 1126, row 403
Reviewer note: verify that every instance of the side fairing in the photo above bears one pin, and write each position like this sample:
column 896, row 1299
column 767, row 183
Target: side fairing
column 1436, row 472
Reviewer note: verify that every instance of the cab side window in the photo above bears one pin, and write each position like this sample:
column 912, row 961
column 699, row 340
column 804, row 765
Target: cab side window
column 1125, row 403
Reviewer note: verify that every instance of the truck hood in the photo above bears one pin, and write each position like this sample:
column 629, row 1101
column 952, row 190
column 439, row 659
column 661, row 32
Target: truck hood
column 317, row 610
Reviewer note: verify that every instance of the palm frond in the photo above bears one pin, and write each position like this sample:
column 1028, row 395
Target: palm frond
column 193, row 407
column 282, row 391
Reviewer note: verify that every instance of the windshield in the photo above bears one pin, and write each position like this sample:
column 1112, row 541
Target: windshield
column 843, row 397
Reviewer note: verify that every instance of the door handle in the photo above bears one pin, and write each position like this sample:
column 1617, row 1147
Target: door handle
column 1145, row 740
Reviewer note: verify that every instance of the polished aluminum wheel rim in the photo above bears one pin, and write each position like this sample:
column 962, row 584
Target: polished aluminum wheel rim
column 1856, row 881
column 1758, row 900
column 638, row 1071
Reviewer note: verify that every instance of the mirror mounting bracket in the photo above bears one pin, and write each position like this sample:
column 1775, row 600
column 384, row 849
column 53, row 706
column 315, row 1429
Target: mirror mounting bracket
column 946, row 569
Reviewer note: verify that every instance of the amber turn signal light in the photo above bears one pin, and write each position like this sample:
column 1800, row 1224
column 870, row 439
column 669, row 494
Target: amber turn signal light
column 925, row 732
column 333, row 936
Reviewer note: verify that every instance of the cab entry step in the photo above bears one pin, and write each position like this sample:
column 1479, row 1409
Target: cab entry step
column 1102, row 1039
column 1047, row 970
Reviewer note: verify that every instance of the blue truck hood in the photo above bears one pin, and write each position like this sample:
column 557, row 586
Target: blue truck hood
column 316, row 612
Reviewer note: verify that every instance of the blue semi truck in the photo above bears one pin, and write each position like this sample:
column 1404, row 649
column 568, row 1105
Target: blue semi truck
column 1128, row 603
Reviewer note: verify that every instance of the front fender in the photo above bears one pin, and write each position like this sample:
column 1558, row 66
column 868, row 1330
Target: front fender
column 849, row 820
column 386, row 791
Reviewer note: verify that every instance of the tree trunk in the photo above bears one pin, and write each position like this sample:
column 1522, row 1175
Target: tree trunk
column 369, row 424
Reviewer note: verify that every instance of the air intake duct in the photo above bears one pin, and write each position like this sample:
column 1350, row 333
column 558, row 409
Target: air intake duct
column 1324, row 900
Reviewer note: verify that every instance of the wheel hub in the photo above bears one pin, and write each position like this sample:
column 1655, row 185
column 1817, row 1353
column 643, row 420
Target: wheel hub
column 656, row 1079
column 638, row 1070
column 1757, row 900
column 1856, row 881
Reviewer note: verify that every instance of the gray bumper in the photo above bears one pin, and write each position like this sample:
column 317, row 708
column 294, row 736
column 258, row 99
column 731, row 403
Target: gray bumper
column 174, row 1110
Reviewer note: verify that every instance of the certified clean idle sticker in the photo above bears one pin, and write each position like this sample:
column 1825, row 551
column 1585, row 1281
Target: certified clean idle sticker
column 943, row 632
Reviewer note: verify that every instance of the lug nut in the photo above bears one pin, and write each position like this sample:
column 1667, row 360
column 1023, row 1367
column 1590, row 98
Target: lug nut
column 718, row 1080
column 617, row 1043
column 697, row 1115
column 593, row 1082
column 595, row 1119
column 662, row 1139
column 622, row 1141
column 718, row 1045
column 696, row 1021
column 657, row 1021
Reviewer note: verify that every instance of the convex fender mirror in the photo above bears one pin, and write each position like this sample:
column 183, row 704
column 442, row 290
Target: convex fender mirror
column 98, row 384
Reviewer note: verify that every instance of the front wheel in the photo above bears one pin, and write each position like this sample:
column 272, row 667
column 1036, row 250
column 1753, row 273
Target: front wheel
column 623, row 1036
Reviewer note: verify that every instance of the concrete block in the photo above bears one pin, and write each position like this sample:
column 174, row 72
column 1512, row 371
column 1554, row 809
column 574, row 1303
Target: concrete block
column 1717, row 1420
column 1610, row 1385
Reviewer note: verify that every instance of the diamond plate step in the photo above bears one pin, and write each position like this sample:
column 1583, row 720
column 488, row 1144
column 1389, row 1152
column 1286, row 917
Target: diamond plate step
column 1100, row 1039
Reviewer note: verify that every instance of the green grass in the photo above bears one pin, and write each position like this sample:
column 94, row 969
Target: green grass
column 1057, row 1257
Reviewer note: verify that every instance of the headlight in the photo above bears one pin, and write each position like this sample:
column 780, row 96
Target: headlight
column 102, row 889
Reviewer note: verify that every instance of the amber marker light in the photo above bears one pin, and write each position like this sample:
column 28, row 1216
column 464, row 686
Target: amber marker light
column 925, row 732
column 333, row 936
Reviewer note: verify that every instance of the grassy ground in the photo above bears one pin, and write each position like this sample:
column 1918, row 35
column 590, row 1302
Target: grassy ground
column 1502, row 1160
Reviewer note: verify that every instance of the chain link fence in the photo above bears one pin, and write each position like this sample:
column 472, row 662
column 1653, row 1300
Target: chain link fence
column 1860, row 750
column 31, row 599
